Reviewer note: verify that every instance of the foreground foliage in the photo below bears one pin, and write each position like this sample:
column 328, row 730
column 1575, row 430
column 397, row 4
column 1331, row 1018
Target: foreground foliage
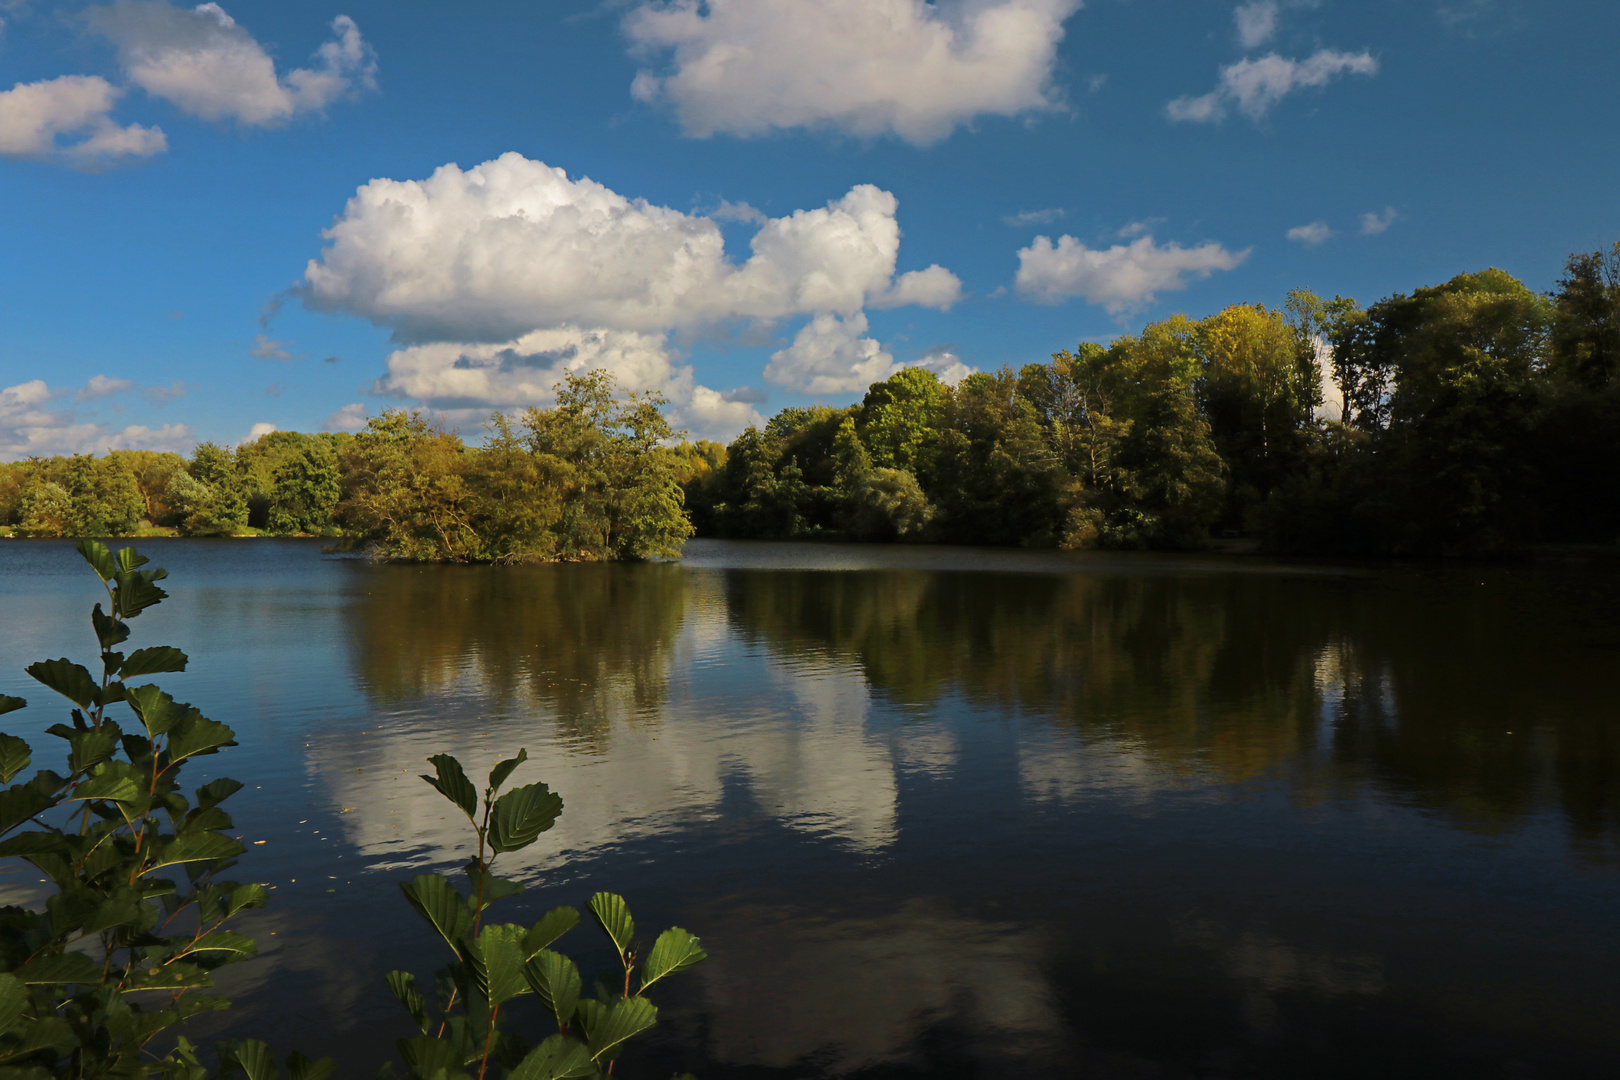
column 495, row 963
column 99, row 982
column 124, row 949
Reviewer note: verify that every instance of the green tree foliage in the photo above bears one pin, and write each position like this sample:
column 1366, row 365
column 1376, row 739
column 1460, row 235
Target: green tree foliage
column 151, row 471
column 994, row 475
column 589, row 479
column 620, row 484
column 1259, row 390
column 46, row 510
column 405, row 491
column 210, row 497
column 1150, row 475
column 1585, row 341
column 899, row 420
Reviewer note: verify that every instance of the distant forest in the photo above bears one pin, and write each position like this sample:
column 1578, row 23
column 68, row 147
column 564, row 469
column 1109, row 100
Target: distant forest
column 1470, row 418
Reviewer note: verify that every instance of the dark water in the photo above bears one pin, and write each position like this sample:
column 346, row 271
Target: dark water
column 938, row 812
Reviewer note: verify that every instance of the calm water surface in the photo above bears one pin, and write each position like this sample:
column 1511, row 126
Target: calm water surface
column 936, row 812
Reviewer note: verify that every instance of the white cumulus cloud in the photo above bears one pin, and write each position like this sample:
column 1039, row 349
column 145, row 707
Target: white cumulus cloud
column 1119, row 278
column 481, row 271
column 513, row 245
column 935, row 287
column 831, row 355
column 208, row 66
column 466, row 380
column 867, row 67
column 349, row 418
column 1255, row 86
column 70, row 118
column 30, row 425
column 178, row 438
column 255, row 433
column 1317, row 232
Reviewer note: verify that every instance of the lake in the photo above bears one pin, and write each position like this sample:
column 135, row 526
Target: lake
column 933, row 811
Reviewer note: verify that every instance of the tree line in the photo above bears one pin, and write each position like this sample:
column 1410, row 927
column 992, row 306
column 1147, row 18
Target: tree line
column 1466, row 418
column 592, row 478
column 1471, row 418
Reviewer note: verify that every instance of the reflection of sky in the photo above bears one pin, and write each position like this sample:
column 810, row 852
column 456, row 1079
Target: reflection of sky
column 797, row 741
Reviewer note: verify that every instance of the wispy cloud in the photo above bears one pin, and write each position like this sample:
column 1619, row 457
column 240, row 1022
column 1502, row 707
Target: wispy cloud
column 1255, row 86
column 265, row 349
column 1140, row 228
column 1256, row 23
column 1035, row 217
column 100, row 386
column 162, row 395
column 1377, row 223
column 1317, row 232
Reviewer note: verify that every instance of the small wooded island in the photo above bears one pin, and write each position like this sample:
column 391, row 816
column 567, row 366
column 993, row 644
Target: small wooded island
column 1467, row 418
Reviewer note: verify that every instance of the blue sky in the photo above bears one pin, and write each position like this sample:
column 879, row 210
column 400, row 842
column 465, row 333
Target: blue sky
column 298, row 214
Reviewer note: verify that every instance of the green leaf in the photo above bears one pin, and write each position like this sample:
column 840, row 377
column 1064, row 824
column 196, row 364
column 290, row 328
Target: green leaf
column 556, row 1058
column 72, row 681
column 133, row 591
column 196, row 734
column 613, row 915
column 300, row 1067
column 489, row 887
column 110, row 785
column 47, row 1032
column 521, row 815
column 13, row 1000
column 109, row 631
column 675, row 950
column 151, row 661
column 226, row 941
column 91, row 748
column 11, row 704
column 552, row 925
column 403, row 984
column 453, row 784
column 100, row 559
column 606, row 1026
column 15, row 754
column 58, row 968
column 130, row 559
column 249, row 1055
column 251, row 895
column 555, row 980
column 157, row 710
column 497, row 963
column 440, row 904
column 503, row 769
column 195, row 847
column 114, row 911
column 23, row 801
column 32, row 843
column 170, row 976
column 427, row 1058
column 217, row 791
